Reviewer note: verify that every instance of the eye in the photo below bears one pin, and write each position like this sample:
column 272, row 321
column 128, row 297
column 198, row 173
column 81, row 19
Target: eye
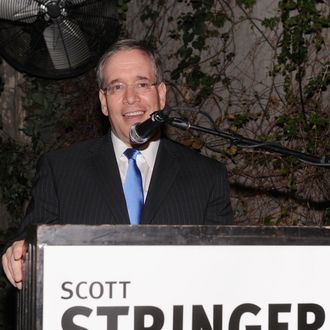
column 117, row 87
column 142, row 85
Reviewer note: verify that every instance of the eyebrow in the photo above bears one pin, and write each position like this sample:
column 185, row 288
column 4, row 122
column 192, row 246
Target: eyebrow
column 136, row 78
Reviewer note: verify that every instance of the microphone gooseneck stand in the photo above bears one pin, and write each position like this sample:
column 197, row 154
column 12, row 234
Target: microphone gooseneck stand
column 241, row 141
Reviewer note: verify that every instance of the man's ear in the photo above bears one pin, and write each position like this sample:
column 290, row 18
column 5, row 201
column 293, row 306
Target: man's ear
column 103, row 101
column 162, row 95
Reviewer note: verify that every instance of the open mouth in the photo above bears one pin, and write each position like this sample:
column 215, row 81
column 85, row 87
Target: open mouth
column 133, row 114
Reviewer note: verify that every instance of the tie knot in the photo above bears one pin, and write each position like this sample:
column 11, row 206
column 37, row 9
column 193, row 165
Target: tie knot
column 131, row 153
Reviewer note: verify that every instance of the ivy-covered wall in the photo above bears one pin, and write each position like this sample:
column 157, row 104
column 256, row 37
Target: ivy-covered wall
column 256, row 68
column 259, row 69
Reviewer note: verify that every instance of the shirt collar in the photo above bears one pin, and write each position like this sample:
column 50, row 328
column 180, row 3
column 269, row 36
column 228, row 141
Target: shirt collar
column 149, row 153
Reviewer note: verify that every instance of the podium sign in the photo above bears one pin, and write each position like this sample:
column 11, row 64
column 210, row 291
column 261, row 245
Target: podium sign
column 177, row 278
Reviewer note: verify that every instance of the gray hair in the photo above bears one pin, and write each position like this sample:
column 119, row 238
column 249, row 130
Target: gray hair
column 129, row 44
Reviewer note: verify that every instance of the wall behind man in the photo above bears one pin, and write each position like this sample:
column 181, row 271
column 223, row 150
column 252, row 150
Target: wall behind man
column 224, row 58
column 259, row 69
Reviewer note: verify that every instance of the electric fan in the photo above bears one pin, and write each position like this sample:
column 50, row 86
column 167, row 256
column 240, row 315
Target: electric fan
column 56, row 39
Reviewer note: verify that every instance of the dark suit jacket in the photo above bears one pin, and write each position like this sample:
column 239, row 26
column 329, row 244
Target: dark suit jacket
column 81, row 185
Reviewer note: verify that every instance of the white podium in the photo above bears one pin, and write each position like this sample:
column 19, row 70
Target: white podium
column 176, row 278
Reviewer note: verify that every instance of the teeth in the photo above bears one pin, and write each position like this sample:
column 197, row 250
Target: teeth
column 136, row 113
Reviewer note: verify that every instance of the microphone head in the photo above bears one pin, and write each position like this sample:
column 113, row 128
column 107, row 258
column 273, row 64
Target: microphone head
column 136, row 138
column 141, row 132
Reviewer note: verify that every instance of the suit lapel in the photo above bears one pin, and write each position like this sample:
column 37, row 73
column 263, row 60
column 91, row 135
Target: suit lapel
column 106, row 172
column 164, row 174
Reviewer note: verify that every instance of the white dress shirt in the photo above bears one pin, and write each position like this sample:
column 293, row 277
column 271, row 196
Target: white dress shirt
column 145, row 161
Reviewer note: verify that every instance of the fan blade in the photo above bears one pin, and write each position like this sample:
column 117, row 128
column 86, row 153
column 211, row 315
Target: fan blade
column 66, row 44
column 23, row 10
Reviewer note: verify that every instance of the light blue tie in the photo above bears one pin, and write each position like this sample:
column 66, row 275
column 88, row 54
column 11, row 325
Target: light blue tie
column 133, row 187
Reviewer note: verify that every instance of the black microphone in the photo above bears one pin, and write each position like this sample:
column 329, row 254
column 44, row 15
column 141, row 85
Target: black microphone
column 141, row 132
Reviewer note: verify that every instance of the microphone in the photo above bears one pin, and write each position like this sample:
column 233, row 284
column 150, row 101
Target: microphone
column 141, row 132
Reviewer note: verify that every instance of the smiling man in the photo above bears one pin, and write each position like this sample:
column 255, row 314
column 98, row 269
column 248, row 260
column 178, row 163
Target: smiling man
column 131, row 89
column 110, row 181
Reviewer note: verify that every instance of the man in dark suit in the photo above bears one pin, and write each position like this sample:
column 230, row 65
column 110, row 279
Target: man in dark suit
column 84, row 184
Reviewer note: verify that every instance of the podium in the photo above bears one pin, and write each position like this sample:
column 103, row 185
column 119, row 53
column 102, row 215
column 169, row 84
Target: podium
column 175, row 278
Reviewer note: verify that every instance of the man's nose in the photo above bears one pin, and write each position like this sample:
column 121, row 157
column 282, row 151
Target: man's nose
column 130, row 94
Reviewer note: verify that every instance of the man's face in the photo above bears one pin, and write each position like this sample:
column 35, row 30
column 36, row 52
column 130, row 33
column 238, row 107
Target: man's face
column 126, row 68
